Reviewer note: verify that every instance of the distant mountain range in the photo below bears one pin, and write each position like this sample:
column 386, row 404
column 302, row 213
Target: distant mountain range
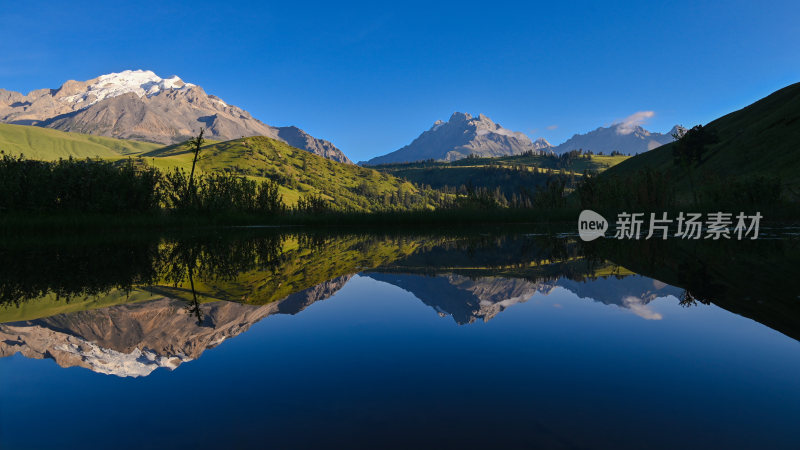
column 139, row 105
column 628, row 140
column 464, row 135
column 461, row 136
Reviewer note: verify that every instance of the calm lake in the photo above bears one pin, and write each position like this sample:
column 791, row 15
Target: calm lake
column 261, row 338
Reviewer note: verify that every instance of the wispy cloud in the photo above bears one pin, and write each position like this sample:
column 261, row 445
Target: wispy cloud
column 629, row 124
column 638, row 307
column 552, row 127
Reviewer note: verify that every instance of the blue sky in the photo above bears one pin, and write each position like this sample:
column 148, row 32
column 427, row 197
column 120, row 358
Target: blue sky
column 371, row 77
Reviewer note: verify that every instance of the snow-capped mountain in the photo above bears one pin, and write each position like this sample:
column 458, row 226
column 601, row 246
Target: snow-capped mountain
column 466, row 299
column 143, row 83
column 628, row 140
column 461, row 136
column 138, row 104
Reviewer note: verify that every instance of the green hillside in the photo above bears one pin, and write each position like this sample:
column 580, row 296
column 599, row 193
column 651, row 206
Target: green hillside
column 508, row 173
column 762, row 139
column 298, row 172
column 49, row 145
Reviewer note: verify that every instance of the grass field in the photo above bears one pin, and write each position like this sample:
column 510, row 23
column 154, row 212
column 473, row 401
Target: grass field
column 49, row 145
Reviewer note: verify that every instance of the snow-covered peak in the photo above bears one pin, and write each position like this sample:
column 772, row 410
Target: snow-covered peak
column 140, row 82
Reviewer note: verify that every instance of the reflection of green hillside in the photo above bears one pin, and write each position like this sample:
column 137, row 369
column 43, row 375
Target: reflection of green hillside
column 248, row 268
column 755, row 279
column 509, row 256
column 302, row 265
column 751, row 278
column 50, row 305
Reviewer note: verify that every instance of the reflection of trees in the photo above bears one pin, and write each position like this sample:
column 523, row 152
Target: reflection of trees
column 251, row 266
column 86, row 267
column 215, row 259
column 194, row 305
column 688, row 299
column 263, row 266
column 69, row 268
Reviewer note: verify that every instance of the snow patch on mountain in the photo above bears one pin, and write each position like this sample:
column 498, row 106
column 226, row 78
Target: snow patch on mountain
column 138, row 363
column 143, row 83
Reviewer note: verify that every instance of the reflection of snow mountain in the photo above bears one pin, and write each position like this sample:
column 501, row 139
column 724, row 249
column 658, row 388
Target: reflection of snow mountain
column 468, row 300
column 135, row 339
column 633, row 292
column 614, row 291
column 464, row 298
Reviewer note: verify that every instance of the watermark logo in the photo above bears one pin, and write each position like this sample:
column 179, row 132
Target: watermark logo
column 591, row 225
column 716, row 226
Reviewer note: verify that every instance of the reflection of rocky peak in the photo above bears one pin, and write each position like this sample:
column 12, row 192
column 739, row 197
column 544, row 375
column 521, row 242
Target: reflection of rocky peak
column 299, row 301
column 464, row 298
column 632, row 292
column 468, row 299
column 614, row 291
column 135, row 339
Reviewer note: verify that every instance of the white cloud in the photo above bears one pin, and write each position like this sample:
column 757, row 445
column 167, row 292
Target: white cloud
column 552, row 127
column 636, row 305
column 629, row 124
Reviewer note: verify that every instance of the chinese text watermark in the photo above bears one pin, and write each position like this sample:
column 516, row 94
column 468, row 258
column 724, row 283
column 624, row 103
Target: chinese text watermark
column 715, row 226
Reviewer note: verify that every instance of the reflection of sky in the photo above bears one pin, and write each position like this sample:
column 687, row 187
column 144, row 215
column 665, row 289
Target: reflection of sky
column 373, row 365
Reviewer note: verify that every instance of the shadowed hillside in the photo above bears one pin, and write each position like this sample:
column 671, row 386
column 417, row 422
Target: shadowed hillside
column 762, row 139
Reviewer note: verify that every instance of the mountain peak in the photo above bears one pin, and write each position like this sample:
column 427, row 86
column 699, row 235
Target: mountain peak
column 460, row 117
column 542, row 143
column 143, row 83
column 138, row 104
column 628, row 139
column 461, row 136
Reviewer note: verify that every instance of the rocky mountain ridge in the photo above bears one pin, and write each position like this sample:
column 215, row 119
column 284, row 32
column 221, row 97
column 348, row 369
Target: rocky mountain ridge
column 139, row 105
column 618, row 137
column 461, row 136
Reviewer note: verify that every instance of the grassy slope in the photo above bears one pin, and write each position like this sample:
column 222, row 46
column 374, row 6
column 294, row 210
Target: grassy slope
column 50, row 145
column 760, row 139
column 492, row 172
column 297, row 171
column 595, row 162
column 50, row 305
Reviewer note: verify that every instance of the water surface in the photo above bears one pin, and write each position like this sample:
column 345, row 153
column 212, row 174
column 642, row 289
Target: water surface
column 494, row 338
